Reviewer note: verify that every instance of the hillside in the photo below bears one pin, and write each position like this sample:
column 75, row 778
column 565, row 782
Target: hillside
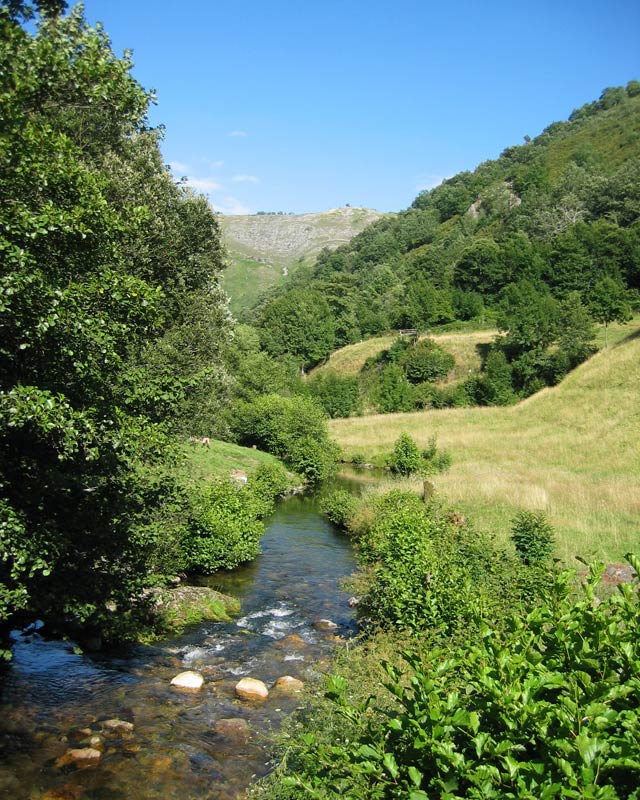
column 572, row 451
column 559, row 212
column 263, row 248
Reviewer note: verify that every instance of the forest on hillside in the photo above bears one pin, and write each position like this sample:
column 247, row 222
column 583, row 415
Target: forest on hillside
column 541, row 243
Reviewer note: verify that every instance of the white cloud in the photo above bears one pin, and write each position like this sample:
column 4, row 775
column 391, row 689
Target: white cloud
column 245, row 179
column 231, row 206
column 179, row 167
column 215, row 164
column 238, row 133
column 426, row 182
column 204, row 184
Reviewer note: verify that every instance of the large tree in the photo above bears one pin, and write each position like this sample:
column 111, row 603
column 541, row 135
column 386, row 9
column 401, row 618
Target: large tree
column 104, row 261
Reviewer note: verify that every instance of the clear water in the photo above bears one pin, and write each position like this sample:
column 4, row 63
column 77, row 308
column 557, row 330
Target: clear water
column 55, row 699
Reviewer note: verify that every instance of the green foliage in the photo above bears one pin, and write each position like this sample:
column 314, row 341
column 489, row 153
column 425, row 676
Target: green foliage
column 392, row 391
column 111, row 328
column 544, row 706
column 406, row 457
column 223, row 528
column 339, row 395
column 609, row 302
column 299, row 323
column 339, row 506
column 292, row 428
column 422, row 569
column 532, row 536
column 427, row 361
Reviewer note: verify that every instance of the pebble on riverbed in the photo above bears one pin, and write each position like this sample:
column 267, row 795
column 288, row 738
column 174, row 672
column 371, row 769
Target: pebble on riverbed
column 235, row 729
column 252, row 689
column 82, row 758
column 118, row 726
column 188, row 680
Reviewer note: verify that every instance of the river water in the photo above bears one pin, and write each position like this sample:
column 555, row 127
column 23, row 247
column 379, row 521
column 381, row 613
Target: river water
column 55, row 699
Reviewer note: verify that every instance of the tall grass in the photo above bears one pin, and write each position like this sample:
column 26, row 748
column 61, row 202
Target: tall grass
column 572, row 451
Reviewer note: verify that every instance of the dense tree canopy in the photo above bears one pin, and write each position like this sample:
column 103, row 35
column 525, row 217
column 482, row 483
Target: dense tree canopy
column 108, row 271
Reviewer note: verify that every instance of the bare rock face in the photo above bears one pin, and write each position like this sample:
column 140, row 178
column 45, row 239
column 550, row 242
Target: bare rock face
column 82, row 758
column 252, row 689
column 289, row 685
column 188, row 680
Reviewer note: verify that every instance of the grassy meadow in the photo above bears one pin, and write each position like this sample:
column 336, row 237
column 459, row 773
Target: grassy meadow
column 572, row 451
column 220, row 458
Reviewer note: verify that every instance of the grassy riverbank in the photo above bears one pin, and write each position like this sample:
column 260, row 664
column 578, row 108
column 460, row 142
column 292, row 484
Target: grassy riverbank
column 572, row 451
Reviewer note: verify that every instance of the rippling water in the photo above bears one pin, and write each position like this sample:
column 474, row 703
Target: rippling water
column 55, row 699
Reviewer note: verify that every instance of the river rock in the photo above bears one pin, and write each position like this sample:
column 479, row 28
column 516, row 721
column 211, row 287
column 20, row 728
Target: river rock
column 291, row 641
column 252, row 689
column 188, row 680
column 235, row 729
column 289, row 685
column 325, row 625
column 119, row 725
column 82, row 757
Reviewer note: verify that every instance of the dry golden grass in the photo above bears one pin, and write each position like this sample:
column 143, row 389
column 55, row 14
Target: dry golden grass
column 572, row 451
column 465, row 347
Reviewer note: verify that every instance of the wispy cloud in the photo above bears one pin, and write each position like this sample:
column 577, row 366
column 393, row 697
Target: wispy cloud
column 245, row 179
column 238, row 133
column 231, row 206
column 204, row 184
column 180, row 167
column 214, row 164
column 426, row 182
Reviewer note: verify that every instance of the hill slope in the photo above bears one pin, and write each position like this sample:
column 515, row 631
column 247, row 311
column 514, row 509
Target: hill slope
column 560, row 212
column 572, row 451
column 263, row 248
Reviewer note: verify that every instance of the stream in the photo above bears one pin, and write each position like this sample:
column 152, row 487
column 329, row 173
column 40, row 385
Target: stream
column 175, row 746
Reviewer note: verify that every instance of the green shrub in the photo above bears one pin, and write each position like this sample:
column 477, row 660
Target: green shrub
column 292, row 428
column 339, row 506
column 406, row 458
column 532, row 536
column 223, row 529
column 427, row 361
column 544, row 706
column 339, row 395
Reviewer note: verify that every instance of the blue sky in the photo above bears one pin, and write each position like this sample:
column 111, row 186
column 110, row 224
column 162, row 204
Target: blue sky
column 304, row 106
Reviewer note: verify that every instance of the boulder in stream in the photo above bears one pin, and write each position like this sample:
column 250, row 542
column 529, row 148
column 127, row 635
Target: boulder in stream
column 188, row 680
column 289, row 685
column 325, row 625
column 252, row 689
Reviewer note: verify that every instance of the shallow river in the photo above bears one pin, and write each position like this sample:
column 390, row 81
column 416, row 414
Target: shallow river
column 54, row 699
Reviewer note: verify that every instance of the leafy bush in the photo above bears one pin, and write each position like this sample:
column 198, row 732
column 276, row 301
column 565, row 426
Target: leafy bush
column 545, row 706
column 532, row 536
column 339, row 506
column 406, row 457
column 421, row 569
column 224, row 529
column 427, row 361
column 292, row 428
column 339, row 395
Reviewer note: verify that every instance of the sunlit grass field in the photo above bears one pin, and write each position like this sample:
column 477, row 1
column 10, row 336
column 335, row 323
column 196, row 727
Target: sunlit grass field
column 572, row 451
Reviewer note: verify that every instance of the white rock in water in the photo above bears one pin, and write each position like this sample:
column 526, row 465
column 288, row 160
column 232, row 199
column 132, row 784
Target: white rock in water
column 188, row 680
column 252, row 689
column 325, row 625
